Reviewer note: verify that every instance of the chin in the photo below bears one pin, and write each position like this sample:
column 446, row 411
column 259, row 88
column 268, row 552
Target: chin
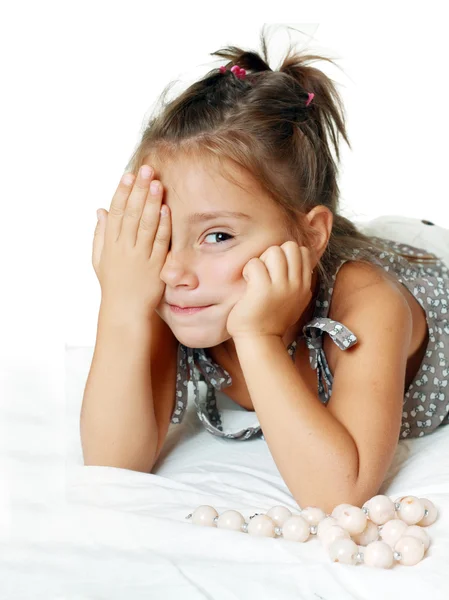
column 200, row 339
column 196, row 336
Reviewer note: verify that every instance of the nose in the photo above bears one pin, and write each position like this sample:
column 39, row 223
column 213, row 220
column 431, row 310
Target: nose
column 177, row 270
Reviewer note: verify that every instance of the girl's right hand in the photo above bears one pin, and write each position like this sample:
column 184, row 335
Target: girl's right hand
column 130, row 248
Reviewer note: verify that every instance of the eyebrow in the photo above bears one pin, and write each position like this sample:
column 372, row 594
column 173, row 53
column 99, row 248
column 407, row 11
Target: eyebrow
column 209, row 216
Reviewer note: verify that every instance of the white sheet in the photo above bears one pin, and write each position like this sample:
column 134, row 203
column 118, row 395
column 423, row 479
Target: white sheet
column 78, row 533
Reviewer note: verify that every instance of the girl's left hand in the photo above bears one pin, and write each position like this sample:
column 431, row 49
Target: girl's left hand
column 278, row 291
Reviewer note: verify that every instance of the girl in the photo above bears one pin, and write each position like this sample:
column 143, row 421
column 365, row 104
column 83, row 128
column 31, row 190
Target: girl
column 260, row 267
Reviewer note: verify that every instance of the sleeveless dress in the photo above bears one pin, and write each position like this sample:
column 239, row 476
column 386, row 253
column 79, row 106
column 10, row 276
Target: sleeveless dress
column 426, row 401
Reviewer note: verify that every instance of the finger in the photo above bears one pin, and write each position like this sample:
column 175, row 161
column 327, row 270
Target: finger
column 98, row 241
column 256, row 273
column 306, row 265
column 135, row 205
column 159, row 247
column 150, row 220
column 117, row 207
column 294, row 260
column 277, row 265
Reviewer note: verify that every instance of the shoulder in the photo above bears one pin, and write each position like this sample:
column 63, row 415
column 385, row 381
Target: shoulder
column 367, row 301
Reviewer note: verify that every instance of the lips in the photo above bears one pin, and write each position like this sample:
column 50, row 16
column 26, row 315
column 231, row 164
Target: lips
column 188, row 306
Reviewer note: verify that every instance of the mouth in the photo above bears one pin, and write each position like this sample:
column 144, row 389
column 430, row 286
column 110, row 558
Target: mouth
column 187, row 310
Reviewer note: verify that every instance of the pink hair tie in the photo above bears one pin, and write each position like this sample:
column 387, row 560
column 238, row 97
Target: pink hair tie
column 240, row 73
column 311, row 97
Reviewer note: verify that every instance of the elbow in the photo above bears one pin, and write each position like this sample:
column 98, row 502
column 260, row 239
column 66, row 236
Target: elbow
column 117, row 464
column 328, row 500
column 331, row 493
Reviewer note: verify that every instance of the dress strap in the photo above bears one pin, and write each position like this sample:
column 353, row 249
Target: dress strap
column 341, row 336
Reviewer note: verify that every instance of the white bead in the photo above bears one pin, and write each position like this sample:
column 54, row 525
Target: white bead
column 338, row 509
column 420, row 534
column 381, row 509
column 392, row 530
column 204, row 515
column 296, row 529
column 368, row 535
column 411, row 549
column 333, row 533
column 279, row 514
column 353, row 519
column 411, row 510
column 344, row 550
column 313, row 515
column 378, row 554
column 432, row 516
column 261, row 526
column 324, row 526
column 399, row 499
column 230, row 519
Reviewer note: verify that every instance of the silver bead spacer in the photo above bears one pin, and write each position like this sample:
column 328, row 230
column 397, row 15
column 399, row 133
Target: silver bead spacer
column 426, row 512
column 189, row 516
column 365, row 510
column 278, row 530
column 397, row 555
column 397, row 506
column 359, row 557
column 245, row 527
column 313, row 529
column 215, row 519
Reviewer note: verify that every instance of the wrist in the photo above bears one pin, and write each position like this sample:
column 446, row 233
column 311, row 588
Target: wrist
column 254, row 340
column 114, row 317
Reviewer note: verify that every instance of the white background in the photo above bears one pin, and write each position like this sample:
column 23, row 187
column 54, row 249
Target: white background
column 79, row 81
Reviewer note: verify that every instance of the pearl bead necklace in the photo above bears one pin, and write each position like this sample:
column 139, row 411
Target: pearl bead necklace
column 350, row 534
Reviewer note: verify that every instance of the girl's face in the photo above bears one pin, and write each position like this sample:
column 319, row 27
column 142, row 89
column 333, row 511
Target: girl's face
column 208, row 252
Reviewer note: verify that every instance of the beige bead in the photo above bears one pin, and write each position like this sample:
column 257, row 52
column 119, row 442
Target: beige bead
column 368, row 535
column 433, row 513
column 420, row 533
column 339, row 509
column 333, row 533
column 353, row 519
column 378, row 554
column 381, row 509
column 313, row 515
column 230, row 519
column 296, row 529
column 261, row 526
column 324, row 526
column 204, row 515
column 343, row 550
column 411, row 549
column 411, row 510
column 279, row 514
column 393, row 530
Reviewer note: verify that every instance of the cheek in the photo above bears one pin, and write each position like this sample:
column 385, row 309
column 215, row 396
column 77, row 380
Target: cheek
column 226, row 271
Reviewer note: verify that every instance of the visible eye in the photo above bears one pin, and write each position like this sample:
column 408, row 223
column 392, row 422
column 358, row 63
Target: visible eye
column 220, row 233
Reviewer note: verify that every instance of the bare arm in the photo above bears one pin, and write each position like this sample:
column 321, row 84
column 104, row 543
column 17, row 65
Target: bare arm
column 338, row 453
column 118, row 425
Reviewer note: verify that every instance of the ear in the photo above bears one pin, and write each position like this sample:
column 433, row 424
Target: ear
column 320, row 219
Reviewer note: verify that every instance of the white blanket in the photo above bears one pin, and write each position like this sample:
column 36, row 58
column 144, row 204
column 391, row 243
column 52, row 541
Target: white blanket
column 78, row 533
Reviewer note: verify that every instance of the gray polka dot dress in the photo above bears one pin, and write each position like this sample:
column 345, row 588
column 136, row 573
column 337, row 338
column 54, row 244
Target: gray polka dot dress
column 426, row 401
